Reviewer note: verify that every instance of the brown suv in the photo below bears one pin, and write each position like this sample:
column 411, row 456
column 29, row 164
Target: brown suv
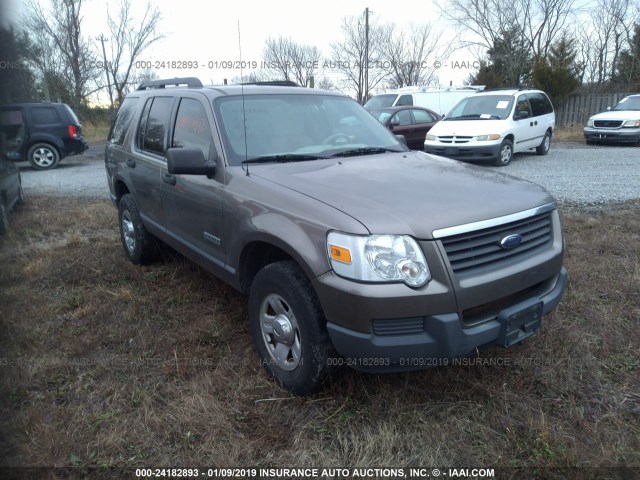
column 353, row 249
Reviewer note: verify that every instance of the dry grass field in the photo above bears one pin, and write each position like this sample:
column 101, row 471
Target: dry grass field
column 108, row 364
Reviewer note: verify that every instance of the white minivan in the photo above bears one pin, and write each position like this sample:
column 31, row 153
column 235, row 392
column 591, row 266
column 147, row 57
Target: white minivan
column 493, row 125
column 440, row 100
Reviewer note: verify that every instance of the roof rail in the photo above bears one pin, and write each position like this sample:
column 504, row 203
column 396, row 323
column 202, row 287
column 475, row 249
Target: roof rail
column 276, row 83
column 190, row 82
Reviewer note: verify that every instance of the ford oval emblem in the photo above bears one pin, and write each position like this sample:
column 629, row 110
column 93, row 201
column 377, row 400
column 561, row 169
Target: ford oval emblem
column 511, row 241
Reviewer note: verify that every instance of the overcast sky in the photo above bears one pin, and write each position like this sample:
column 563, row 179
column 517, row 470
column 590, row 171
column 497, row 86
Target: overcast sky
column 207, row 32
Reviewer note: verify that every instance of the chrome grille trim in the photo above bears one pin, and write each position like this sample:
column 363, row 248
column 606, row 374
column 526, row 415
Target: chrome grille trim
column 493, row 222
column 481, row 249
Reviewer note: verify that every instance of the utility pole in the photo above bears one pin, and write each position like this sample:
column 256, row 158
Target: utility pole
column 102, row 39
column 366, row 54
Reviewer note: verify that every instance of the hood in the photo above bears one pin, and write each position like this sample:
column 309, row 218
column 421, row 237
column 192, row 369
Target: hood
column 618, row 115
column 467, row 128
column 409, row 193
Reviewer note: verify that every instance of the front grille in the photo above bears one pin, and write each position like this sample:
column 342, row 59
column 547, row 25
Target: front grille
column 398, row 326
column 479, row 250
column 454, row 139
column 607, row 123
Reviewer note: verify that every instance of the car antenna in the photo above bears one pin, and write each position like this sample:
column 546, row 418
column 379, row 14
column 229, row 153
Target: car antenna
column 244, row 115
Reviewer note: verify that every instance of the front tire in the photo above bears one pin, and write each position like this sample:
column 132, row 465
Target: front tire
column 289, row 329
column 138, row 243
column 505, row 154
column 43, row 156
column 543, row 148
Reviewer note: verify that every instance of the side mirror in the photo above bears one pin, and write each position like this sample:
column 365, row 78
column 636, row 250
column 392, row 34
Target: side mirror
column 394, row 122
column 402, row 139
column 189, row 161
column 522, row 114
column 608, row 108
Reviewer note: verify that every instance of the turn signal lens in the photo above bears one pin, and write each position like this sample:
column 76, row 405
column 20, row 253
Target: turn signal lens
column 340, row 254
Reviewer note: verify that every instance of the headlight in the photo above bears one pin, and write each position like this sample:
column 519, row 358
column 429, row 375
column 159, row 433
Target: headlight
column 484, row 138
column 378, row 258
column 631, row 123
column 590, row 122
column 431, row 138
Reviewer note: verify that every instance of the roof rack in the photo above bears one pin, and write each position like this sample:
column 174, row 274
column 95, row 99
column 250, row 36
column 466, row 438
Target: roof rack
column 276, row 83
column 190, row 82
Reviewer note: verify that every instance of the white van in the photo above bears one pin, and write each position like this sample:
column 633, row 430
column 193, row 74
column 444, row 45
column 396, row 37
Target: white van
column 440, row 100
column 493, row 125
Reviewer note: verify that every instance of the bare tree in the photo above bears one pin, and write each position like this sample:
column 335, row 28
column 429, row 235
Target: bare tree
column 292, row 60
column 411, row 57
column 539, row 21
column 60, row 45
column 603, row 38
column 349, row 56
column 130, row 37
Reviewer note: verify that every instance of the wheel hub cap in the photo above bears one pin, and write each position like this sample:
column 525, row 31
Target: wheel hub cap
column 280, row 332
column 283, row 330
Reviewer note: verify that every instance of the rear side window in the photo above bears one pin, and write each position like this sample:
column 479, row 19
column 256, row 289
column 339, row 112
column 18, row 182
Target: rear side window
column 423, row 117
column 155, row 126
column 44, row 115
column 403, row 117
column 540, row 104
column 192, row 129
column 123, row 120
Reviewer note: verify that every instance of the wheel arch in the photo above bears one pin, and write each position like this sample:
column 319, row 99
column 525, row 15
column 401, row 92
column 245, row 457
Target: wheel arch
column 260, row 252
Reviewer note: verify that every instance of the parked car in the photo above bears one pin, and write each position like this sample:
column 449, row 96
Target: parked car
column 42, row 133
column 353, row 249
column 11, row 193
column 439, row 100
column 493, row 125
column 411, row 122
column 620, row 124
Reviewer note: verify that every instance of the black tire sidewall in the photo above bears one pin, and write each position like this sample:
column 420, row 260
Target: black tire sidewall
column 287, row 280
column 4, row 219
column 541, row 150
column 142, row 251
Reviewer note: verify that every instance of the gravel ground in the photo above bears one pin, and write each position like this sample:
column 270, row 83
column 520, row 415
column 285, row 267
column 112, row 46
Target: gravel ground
column 572, row 172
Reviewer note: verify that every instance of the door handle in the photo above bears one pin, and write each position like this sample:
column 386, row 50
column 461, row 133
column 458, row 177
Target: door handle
column 168, row 178
column 131, row 163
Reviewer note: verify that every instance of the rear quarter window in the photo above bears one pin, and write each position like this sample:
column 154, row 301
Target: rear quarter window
column 44, row 115
column 122, row 121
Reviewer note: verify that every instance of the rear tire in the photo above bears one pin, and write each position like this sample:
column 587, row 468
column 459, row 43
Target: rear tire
column 139, row 245
column 43, row 156
column 505, row 154
column 289, row 329
column 543, row 148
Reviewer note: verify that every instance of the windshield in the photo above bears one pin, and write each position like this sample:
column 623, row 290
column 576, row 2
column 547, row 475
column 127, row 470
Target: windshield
column 629, row 103
column 485, row 107
column 297, row 127
column 381, row 101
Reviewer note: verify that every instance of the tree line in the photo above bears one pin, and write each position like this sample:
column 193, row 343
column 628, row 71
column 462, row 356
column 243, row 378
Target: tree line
column 549, row 44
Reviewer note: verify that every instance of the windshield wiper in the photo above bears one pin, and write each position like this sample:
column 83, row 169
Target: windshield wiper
column 283, row 157
column 462, row 117
column 363, row 151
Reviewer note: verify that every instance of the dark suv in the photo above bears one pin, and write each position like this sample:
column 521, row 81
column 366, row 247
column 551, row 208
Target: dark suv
column 353, row 249
column 42, row 133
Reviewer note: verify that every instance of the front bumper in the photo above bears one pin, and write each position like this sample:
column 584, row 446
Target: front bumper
column 604, row 135
column 427, row 341
column 464, row 151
